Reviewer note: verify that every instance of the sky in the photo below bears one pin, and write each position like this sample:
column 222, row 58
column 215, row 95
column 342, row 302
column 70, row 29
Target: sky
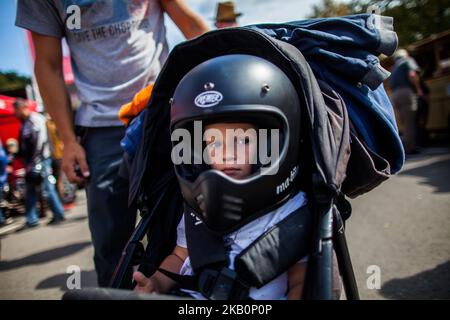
column 14, row 54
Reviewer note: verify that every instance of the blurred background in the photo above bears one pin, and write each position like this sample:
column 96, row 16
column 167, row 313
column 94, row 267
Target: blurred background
column 402, row 227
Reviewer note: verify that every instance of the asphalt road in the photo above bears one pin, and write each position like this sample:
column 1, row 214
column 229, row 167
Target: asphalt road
column 34, row 262
column 399, row 232
column 403, row 227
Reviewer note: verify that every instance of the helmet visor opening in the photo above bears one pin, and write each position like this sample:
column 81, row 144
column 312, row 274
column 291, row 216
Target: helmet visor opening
column 240, row 147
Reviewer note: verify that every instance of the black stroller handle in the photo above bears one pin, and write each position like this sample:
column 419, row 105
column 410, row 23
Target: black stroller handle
column 115, row 294
column 343, row 257
column 134, row 248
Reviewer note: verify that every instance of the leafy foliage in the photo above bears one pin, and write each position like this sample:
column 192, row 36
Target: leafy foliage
column 12, row 80
column 413, row 19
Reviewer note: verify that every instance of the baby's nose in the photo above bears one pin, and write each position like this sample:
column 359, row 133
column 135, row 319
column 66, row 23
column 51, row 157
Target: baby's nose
column 229, row 153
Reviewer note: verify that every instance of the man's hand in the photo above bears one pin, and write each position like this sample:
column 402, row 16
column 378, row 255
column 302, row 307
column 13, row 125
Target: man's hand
column 49, row 74
column 74, row 156
column 415, row 80
column 420, row 93
column 143, row 284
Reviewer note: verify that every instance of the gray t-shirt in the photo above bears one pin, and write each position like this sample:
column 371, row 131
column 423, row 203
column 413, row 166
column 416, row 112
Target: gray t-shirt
column 118, row 50
column 400, row 73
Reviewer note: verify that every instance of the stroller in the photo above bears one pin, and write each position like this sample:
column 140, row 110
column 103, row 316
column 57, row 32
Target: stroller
column 348, row 128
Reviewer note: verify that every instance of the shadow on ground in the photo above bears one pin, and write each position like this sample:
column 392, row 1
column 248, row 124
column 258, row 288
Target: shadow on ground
column 436, row 175
column 44, row 256
column 87, row 279
column 430, row 284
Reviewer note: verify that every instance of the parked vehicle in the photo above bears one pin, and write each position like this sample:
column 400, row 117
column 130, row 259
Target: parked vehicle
column 433, row 56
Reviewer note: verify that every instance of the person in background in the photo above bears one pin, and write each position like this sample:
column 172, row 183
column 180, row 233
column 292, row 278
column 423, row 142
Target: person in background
column 56, row 148
column 35, row 152
column 15, row 194
column 117, row 49
column 405, row 84
column 11, row 148
column 3, row 176
column 226, row 16
column 422, row 114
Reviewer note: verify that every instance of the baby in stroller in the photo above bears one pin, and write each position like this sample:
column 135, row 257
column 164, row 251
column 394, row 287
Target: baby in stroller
column 247, row 184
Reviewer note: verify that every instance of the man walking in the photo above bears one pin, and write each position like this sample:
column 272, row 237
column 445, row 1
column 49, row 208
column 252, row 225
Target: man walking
column 405, row 84
column 117, row 48
column 35, row 151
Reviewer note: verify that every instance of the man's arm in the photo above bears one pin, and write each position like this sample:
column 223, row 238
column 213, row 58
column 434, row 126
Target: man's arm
column 190, row 23
column 49, row 75
column 415, row 80
column 28, row 147
column 413, row 75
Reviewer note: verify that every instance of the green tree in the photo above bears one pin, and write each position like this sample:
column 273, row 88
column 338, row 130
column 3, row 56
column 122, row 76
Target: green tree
column 413, row 19
column 330, row 8
column 12, row 80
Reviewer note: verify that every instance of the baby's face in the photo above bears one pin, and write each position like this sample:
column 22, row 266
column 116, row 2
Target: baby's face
column 233, row 154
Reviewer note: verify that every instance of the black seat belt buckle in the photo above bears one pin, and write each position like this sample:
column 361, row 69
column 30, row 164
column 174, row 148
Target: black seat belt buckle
column 223, row 285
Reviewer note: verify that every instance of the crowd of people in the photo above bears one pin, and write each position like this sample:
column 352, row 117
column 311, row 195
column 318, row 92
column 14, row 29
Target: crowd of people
column 40, row 155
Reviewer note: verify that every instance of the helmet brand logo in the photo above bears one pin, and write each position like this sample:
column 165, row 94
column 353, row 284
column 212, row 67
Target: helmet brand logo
column 208, row 99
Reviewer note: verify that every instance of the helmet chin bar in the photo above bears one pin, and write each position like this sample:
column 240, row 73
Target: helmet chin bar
column 224, row 204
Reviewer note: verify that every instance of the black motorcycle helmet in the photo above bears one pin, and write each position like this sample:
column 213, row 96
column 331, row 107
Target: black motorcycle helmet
column 237, row 88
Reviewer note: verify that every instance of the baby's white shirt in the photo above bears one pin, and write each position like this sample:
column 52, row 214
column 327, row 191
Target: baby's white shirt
column 241, row 239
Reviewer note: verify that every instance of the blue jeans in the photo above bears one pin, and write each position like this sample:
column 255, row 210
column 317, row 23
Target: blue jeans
column 2, row 217
column 111, row 222
column 48, row 191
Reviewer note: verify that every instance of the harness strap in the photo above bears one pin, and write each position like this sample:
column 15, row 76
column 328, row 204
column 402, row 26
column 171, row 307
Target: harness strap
column 185, row 282
column 213, row 284
column 276, row 250
column 206, row 247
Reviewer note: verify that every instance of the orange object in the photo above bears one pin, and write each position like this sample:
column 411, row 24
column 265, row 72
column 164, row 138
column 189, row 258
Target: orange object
column 131, row 109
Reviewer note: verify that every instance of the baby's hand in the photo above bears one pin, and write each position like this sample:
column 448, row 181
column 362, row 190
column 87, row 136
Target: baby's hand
column 143, row 284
